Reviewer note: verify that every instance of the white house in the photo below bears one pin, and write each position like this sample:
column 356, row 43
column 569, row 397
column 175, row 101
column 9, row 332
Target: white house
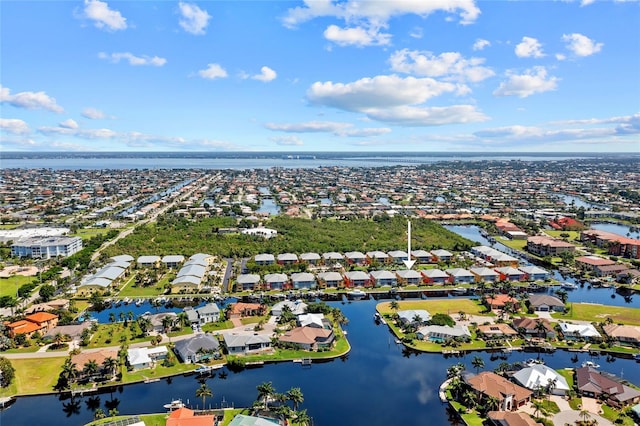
column 139, row 358
column 540, row 376
column 577, row 331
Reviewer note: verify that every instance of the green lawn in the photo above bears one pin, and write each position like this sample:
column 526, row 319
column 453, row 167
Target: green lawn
column 567, row 373
column 573, row 235
column 230, row 414
column 341, row 347
column 158, row 371
column 110, row 335
column 34, row 375
column 514, row 244
column 612, row 414
column 9, row 286
column 216, row 326
column 154, row 419
column 599, row 313
column 130, row 290
column 445, row 306
column 87, row 233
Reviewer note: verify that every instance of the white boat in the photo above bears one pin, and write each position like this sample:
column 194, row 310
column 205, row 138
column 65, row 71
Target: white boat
column 459, row 291
column 357, row 294
column 126, row 300
column 590, row 364
column 568, row 286
column 139, row 302
column 174, row 405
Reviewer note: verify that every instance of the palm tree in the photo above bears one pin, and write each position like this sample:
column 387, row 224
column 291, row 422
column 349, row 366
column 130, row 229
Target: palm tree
column 295, row 396
column 99, row 414
column 551, row 385
column 462, row 316
column 112, row 317
column 584, row 414
column 69, row 371
column 492, row 403
column 537, row 406
column 394, row 305
column 477, row 363
column 167, row 323
column 265, row 390
column 302, row 417
column 204, row 392
column 110, row 365
column 145, row 324
column 57, row 339
column 91, row 368
column 541, row 328
column 469, row 398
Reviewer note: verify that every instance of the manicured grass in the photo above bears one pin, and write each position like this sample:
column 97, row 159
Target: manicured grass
column 130, row 290
column 158, row 371
column 154, row 419
column 445, row 306
column 341, row 347
column 253, row 320
column 550, row 406
column 28, row 349
column 514, row 244
column 216, row 326
column 567, row 373
column 36, row 375
column 183, row 331
column 87, row 233
column 9, row 286
column 575, row 403
column 573, row 235
column 230, row 414
column 110, row 335
column 599, row 313
column 612, row 414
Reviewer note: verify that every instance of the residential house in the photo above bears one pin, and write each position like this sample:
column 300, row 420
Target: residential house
column 313, row 320
column 545, row 303
column 357, row 279
column 511, row 418
column 434, row 276
column 172, row 261
column 287, row 259
column 486, row 275
column 441, row 333
column 198, row 348
column 93, row 285
column 139, row 358
column 510, row 396
column 592, row 383
column 408, row 277
column 416, row 317
column 460, row 275
column 186, row 284
column 332, row 258
column 383, row 278
column 82, row 358
column 187, row 417
column 355, row 257
column 579, row 331
column 441, row 255
column 534, row 273
column 508, row 273
column 249, row 282
column 377, row 256
column 310, row 258
column 275, row 281
column 148, row 261
column 297, row 308
column 264, row 259
column 241, row 309
column 398, row 256
column 590, row 263
column 39, row 321
column 239, row 344
column 303, row 280
column 309, row 338
column 158, row 321
column 623, row 333
column 204, row 314
column 529, row 327
column 539, row 376
column 499, row 301
column 330, row 279
column 422, row 256
column 497, row 330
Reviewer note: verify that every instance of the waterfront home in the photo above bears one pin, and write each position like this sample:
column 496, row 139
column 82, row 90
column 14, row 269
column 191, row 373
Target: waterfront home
column 415, row 317
column 441, row 255
column 264, row 259
column 139, row 358
column 186, row 417
column 497, row 330
column 486, row 275
column 539, row 376
column 93, row 285
column 548, row 246
column 287, row 258
column 313, row 320
column 243, row 420
column 246, row 282
column 610, row 270
column 441, row 333
column 383, row 278
column 275, row 281
column 52, row 305
column 629, row 334
column 422, row 256
column 357, row 279
column 71, row 331
column 377, row 256
column 332, row 258
column 202, row 259
column 508, row 273
column 486, row 384
column 186, row 284
column 545, row 303
column 39, row 321
column 198, row 348
column 204, row 314
column 330, row 279
column 158, row 321
column 530, row 328
column 297, row 308
column 434, row 276
column 499, row 301
column 110, row 272
column 309, row 338
column 302, row 280
column 172, row 261
column 592, row 383
column 460, row 275
column 239, row 344
column 511, row 418
column 579, row 331
column 241, row 309
column 534, row 273
column 408, row 277
column 617, row 245
column 148, row 261
column 590, row 263
column 310, row 258
column 493, row 256
column 398, row 256
column 355, row 257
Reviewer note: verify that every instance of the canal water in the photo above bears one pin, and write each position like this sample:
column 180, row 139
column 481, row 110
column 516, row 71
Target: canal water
column 377, row 383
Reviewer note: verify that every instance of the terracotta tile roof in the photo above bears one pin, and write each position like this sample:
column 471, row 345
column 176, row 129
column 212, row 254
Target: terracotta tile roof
column 510, row 418
column 187, row 417
column 305, row 335
column 491, row 384
column 23, row 326
column 41, row 317
column 82, row 358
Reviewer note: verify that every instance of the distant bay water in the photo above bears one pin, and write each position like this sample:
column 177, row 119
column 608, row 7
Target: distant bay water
column 260, row 160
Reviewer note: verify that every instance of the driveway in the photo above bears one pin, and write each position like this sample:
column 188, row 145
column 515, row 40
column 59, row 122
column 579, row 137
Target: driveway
column 570, row 417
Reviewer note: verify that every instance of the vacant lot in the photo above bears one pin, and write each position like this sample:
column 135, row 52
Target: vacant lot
column 599, row 313
column 36, row 375
column 442, row 306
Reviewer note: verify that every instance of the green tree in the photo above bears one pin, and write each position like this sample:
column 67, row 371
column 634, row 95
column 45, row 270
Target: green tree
column 477, row 363
column 7, row 372
column 265, row 391
column 295, row 396
column 46, row 292
column 90, row 369
column 204, row 392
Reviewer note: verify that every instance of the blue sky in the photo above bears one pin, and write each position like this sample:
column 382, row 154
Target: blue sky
column 320, row 75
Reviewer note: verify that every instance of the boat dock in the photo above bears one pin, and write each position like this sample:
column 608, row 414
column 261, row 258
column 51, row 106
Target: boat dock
column 443, row 389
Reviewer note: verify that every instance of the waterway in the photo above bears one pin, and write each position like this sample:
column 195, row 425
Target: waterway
column 377, row 383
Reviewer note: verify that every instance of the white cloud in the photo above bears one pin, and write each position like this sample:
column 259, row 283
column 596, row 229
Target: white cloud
column 93, row 114
column 529, row 47
column 417, row 32
column 382, row 91
column 428, row 116
column 560, row 57
column 534, row 80
column 212, row 72
column 289, row 140
column 14, row 125
column 193, row 19
column 69, row 124
column 480, row 44
column 448, row 64
column 29, row 100
column 586, row 2
column 103, row 17
column 266, row 75
column 357, row 36
column 336, row 128
column 581, row 45
column 80, row 133
column 134, row 60
column 378, row 11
